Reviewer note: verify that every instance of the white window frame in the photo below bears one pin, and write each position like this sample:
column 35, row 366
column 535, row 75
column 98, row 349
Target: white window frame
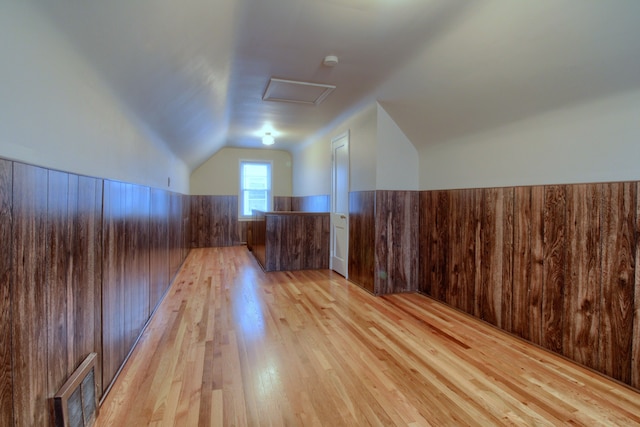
column 241, row 190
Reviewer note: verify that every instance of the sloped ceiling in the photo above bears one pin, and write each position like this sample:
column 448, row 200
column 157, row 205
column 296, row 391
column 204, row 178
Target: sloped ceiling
column 195, row 71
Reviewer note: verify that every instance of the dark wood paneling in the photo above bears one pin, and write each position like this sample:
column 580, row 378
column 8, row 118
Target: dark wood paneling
column 362, row 238
column 583, row 272
column 396, row 245
column 464, row 222
column 113, row 280
column 320, row 203
column 618, row 279
column 528, row 262
column 259, row 237
column 425, row 241
column 521, row 262
column 159, row 265
column 292, row 241
column 52, row 290
column 29, row 328
column 243, row 226
column 554, row 267
column 73, row 273
column 185, row 229
column 635, row 357
column 6, row 253
column 59, row 266
column 537, row 265
column 126, row 275
column 178, row 231
column 495, row 295
column 440, row 245
column 558, row 266
column 282, row 203
column 137, row 274
column 214, row 221
column 86, row 279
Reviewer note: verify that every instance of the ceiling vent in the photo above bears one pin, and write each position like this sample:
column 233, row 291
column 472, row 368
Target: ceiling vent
column 297, row 92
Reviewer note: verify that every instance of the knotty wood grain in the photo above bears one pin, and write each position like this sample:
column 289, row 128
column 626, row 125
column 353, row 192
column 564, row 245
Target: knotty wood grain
column 6, row 285
column 528, row 262
column 583, row 271
column 30, row 295
column 554, row 267
column 464, row 225
column 560, row 270
column 494, row 296
column 236, row 346
column 536, row 287
column 521, row 262
column 396, row 244
column 618, row 279
column 362, row 238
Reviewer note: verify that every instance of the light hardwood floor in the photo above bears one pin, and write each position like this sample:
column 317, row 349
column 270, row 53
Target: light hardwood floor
column 234, row 346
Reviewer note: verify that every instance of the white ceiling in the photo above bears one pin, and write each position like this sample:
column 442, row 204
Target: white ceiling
column 194, row 71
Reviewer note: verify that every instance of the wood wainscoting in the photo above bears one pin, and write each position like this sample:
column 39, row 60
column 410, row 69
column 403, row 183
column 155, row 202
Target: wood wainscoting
column 558, row 265
column 383, row 240
column 283, row 241
column 77, row 276
column 214, row 222
column 362, row 238
column 6, row 285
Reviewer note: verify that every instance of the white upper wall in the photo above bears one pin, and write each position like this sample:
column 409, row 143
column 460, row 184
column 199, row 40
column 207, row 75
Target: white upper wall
column 312, row 164
column 220, row 175
column 593, row 142
column 56, row 112
column 312, row 169
column 397, row 158
column 362, row 149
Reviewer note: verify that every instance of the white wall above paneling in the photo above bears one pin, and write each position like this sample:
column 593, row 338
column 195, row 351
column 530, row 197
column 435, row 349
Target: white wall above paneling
column 593, row 142
column 56, row 112
column 397, row 159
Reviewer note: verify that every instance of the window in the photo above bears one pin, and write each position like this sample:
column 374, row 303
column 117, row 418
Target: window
column 255, row 187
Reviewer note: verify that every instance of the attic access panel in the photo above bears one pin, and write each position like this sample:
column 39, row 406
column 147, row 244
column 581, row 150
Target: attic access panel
column 296, row 91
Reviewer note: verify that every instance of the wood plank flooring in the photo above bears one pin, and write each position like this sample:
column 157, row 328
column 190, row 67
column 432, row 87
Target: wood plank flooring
column 233, row 346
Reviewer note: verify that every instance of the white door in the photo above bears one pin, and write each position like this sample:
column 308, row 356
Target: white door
column 340, row 203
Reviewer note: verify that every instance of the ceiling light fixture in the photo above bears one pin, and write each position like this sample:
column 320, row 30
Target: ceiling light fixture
column 330, row 61
column 268, row 139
